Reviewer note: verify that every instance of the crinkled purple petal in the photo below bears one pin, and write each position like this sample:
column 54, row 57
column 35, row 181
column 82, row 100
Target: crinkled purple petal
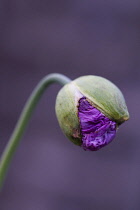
column 97, row 130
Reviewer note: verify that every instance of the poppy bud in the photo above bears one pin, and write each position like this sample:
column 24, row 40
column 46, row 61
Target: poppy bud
column 89, row 110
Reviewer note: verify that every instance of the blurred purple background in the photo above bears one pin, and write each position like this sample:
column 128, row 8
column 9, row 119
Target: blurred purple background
column 74, row 38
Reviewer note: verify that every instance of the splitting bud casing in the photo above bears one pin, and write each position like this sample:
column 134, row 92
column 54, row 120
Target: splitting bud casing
column 89, row 111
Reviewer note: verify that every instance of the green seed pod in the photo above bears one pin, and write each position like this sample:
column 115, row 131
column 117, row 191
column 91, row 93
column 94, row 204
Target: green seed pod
column 100, row 94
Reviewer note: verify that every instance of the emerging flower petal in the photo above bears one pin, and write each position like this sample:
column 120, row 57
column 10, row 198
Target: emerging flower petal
column 97, row 130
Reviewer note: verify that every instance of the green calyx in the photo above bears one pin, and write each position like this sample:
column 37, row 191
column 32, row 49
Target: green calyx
column 67, row 112
column 105, row 96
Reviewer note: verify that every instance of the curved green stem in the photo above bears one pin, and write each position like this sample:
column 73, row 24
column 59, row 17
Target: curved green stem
column 24, row 119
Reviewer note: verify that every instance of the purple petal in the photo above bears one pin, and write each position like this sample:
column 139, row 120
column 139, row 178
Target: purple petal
column 97, row 130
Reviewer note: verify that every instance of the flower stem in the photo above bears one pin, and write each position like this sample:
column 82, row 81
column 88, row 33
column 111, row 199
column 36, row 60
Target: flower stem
column 24, row 119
